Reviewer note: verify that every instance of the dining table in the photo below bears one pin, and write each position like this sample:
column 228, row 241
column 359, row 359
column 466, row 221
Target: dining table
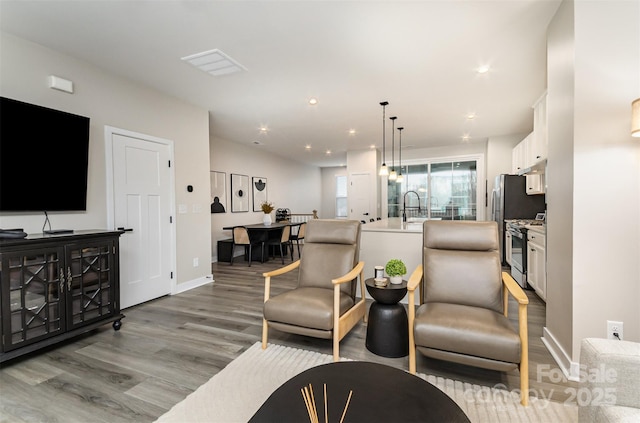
column 260, row 232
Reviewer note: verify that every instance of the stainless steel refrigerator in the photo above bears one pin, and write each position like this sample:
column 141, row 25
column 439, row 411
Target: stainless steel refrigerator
column 509, row 200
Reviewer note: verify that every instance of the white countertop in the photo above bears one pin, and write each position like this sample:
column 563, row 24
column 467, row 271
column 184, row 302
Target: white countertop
column 395, row 224
column 537, row 228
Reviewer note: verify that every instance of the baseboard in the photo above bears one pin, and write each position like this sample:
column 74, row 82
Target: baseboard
column 194, row 283
column 570, row 368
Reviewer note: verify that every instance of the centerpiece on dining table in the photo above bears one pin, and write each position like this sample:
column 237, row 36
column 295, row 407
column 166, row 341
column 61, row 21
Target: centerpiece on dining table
column 267, row 208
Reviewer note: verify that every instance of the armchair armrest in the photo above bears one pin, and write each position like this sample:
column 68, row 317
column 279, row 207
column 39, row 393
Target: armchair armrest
column 282, row 270
column 414, row 279
column 412, row 284
column 353, row 273
column 514, row 289
column 277, row 272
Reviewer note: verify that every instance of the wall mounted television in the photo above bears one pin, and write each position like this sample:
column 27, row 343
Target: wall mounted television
column 44, row 157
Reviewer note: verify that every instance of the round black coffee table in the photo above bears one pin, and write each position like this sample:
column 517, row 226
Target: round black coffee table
column 380, row 394
column 387, row 326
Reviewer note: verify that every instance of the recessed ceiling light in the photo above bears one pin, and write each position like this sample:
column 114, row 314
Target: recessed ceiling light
column 465, row 137
column 352, row 131
column 263, row 129
column 313, row 101
column 483, row 69
column 307, row 147
column 471, row 116
column 372, row 146
column 328, row 152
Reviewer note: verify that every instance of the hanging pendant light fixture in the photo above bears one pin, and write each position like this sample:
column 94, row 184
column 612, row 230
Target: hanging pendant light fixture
column 400, row 178
column 393, row 175
column 383, row 169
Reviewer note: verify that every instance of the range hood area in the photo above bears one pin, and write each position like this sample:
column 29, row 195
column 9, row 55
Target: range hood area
column 537, row 169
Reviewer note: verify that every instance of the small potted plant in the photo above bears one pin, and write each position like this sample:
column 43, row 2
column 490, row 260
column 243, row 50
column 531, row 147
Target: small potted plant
column 267, row 208
column 395, row 269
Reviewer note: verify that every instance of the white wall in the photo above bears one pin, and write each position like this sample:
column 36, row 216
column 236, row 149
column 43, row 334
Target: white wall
column 111, row 100
column 593, row 247
column 560, row 181
column 606, row 168
column 290, row 185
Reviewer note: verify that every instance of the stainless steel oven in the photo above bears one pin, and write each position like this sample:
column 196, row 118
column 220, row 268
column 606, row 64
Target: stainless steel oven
column 518, row 254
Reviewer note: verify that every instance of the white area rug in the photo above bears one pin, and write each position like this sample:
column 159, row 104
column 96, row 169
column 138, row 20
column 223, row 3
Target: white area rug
column 238, row 391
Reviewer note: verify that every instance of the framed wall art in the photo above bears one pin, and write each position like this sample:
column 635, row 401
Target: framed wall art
column 239, row 193
column 259, row 187
column 218, row 192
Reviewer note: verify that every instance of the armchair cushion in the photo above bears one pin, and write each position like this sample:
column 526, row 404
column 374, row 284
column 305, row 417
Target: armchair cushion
column 463, row 277
column 322, row 262
column 615, row 391
column 474, row 331
column 307, row 307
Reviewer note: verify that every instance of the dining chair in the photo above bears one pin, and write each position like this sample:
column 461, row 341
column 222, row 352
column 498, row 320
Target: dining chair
column 241, row 237
column 283, row 239
column 298, row 236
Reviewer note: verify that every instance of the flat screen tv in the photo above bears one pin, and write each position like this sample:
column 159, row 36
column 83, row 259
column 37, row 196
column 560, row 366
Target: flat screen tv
column 44, row 156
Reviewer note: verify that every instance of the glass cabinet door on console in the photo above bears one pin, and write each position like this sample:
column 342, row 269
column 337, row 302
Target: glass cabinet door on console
column 33, row 294
column 89, row 280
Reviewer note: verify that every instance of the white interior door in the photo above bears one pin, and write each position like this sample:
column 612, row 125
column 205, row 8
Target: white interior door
column 360, row 197
column 142, row 180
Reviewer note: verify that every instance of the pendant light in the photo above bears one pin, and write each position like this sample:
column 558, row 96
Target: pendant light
column 393, row 175
column 383, row 169
column 400, row 178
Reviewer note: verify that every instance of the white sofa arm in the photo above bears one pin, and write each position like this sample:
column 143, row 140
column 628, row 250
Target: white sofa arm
column 609, row 381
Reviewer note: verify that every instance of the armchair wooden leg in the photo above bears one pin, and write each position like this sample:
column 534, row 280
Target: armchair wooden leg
column 524, row 384
column 265, row 333
column 524, row 354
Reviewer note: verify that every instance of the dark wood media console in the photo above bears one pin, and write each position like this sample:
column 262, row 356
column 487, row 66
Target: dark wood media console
column 54, row 287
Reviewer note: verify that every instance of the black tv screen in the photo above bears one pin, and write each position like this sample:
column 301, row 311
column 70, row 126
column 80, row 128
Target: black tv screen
column 44, row 156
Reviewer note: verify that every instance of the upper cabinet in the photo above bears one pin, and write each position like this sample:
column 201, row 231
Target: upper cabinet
column 529, row 157
column 539, row 143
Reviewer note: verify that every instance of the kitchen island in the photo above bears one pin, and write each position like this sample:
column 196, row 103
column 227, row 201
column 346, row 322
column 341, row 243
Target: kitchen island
column 382, row 240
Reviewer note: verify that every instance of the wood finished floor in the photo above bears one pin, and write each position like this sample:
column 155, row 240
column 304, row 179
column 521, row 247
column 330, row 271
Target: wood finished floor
column 170, row 346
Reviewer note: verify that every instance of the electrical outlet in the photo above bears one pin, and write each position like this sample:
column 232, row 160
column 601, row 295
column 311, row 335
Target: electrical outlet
column 196, row 262
column 614, row 328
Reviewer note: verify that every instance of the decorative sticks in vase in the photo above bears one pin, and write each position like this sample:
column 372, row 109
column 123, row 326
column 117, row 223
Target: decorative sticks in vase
column 310, row 403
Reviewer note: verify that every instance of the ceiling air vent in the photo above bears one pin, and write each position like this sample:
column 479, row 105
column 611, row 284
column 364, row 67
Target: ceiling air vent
column 214, row 62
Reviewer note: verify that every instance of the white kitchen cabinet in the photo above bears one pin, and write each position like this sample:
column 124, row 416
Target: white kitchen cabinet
column 518, row 157
column 539, row 144
column 535, row 184
column 536, row 262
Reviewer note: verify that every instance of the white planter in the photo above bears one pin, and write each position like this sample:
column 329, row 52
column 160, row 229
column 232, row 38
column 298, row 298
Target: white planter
column 266, row 220
column 395, row 279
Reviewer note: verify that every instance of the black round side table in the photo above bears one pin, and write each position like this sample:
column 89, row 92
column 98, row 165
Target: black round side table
column 387, row 327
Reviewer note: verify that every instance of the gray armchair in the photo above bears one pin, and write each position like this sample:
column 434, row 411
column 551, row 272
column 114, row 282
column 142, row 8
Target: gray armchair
column 463, row 313
column 323, row 305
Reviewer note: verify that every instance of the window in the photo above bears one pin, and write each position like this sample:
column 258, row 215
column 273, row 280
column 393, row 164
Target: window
column 438, row 189
column 341, row 197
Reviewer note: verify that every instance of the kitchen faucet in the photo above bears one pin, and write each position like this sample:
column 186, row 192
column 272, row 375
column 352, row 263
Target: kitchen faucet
column 404, row 205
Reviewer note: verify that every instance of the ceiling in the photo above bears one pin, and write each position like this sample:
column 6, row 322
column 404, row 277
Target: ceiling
column 420, row 56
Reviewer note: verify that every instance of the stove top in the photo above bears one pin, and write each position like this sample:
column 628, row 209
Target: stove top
column 524, row 222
